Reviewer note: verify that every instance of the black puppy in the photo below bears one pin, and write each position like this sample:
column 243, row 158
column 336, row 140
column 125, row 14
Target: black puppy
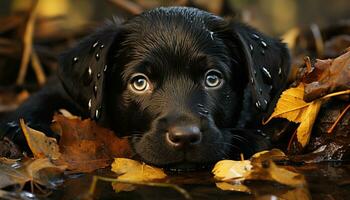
column 175, row 80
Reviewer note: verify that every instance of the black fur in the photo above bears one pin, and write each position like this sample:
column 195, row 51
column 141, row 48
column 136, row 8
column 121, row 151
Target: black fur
column 174, row 47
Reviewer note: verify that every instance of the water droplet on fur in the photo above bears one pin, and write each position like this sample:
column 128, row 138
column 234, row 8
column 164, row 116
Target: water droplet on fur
column 255, row 36
column 95, row 45
column 264, row 44
column 95, row 90
column 75, row 60
column 280, row 71
column 105, row 68
column 97, row 56
column 89, row 104
column 97, row 114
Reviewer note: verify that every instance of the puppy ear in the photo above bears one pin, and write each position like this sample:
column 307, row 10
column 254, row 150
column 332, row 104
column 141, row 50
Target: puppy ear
column 267, row 62
column 84, row 69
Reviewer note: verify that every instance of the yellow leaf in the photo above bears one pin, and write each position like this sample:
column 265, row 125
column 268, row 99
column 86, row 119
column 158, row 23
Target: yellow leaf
column 261, row 167
column 290, row 105
column 231, row 169
column 232, row 187
column 131, row 170
column 284, row 176
column 41, row 145
column 305, row 127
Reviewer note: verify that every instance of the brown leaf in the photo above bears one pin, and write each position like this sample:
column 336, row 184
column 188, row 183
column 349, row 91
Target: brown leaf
column 328, row 76
column 41, row 145
column 85, row 146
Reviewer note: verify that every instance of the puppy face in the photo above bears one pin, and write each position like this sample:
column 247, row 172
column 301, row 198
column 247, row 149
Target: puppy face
column 175, row 81
column 177, row 89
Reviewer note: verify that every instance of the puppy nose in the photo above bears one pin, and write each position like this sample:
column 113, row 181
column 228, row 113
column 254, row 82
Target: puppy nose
column 183, row 136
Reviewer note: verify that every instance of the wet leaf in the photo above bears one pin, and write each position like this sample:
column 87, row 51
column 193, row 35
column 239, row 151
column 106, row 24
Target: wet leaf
column 257, row 169
column 85, row 146
column 13, row 172
column 231, row 169
column 131, row 170
column 41, row 145
column 292, row 106
column 232, row 187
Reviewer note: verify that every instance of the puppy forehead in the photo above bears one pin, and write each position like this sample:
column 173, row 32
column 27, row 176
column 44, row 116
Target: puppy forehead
column 172, row 32
column 173, row 37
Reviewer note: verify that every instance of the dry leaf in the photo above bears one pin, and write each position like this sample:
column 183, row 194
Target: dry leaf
column 131, row 170
column 292, row 106
column 41, row 145
column 328, row 76
column 13, row 172
column 85, row 146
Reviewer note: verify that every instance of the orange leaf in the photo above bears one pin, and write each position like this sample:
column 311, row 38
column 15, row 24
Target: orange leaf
column 85, row 146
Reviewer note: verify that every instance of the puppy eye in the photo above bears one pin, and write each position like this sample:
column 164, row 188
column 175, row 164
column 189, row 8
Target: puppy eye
column 139, row 83
column 213, row 78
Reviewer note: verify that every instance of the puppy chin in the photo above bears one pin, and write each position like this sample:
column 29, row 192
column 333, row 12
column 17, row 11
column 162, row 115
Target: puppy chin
column 196, row 158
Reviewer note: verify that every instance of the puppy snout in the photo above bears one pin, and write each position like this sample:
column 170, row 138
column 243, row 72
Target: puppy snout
column 182, row 137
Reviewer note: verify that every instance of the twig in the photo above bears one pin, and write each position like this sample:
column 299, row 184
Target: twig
column 128, row 6
column 152, row 184
column 331, row 129
column 308, row 64
column 27, row 43
column 40, row 75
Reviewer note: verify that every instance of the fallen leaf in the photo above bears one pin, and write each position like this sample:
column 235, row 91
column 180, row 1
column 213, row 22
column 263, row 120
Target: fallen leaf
column 85, row 146
column 232, row 187
column 131, row 170
column 13, row 172
column 308, row 120
column 260, row 167
column 328, row 76
column 231, row 169
column 292, row 106
column 278, row 174
column 41, row 145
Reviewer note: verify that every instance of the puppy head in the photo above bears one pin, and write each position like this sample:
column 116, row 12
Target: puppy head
column 172, row 79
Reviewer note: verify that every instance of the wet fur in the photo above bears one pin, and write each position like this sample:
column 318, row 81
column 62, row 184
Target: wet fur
column 174, row 47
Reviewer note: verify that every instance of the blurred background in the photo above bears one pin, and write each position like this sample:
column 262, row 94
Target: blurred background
column 34, row 32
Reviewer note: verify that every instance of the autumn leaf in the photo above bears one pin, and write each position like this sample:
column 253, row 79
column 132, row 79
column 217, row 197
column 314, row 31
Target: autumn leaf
column 260, row 167
column 131, row 170
column 327, row 76
column 41, row 145
column 231, row 169
column 292, row 107
column 232, row 187
column 85, row 146
column 13, row 172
